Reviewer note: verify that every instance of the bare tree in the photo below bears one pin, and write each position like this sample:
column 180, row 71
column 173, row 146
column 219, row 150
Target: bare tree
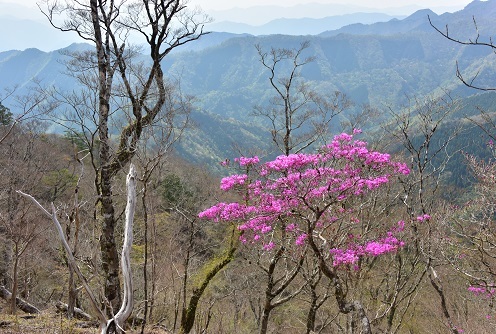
column 427, row 134
column 163, row 25
column 158, row 142
column 21, row 108
column 25, row 164
column 298, row 115
column 116, row 323
column 476, row 41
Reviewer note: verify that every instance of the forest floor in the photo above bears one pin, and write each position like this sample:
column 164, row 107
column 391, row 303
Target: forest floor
column 49, row 321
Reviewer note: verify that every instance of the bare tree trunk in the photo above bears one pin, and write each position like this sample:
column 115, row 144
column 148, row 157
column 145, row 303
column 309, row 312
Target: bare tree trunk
column 110, row 257
column 20, row 303
column 71, row 301
column 312, row 311
column 5, row 257
column 145, row 264
column 78, row 313
column 264, row 323
column 153, row 275
column 188, row 314
column 437, row 285
column 15, row 283
column 128, row 298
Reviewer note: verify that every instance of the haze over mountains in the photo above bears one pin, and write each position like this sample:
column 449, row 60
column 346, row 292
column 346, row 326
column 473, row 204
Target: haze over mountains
column 380, row 64
column 26, row 27
column 259, row 15
column 301, row 26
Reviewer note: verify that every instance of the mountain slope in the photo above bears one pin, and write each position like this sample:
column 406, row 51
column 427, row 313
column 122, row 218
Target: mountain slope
column 381, row 65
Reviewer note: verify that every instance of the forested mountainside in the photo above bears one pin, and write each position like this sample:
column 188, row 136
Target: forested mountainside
column 382, row 65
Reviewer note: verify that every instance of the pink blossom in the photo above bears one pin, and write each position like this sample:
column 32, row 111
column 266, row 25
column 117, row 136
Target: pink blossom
column 228, row 182
column 269, row 246
column 401, row 168
column 265, row 229
column 476, row 290
column 423, row 218
column 354, row 252
column 244, row 161
column 375, row 248
column 344, row 257
column 291, row 227
column 301, row 239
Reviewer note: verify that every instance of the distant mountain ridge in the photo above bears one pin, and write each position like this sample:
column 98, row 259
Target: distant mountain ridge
column 381, row 65
column 302, row 26
column 460, row 23
column 261, row 14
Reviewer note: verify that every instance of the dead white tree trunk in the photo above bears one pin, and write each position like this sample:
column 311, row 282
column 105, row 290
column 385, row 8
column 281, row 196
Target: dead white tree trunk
column 116, row 323
column 128, row 300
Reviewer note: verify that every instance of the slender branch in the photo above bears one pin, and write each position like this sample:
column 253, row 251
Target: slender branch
column 70, row 257
column 128, row 300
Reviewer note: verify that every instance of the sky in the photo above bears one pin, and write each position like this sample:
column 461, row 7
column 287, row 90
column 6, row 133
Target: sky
column 227, row 4
column 224, row 10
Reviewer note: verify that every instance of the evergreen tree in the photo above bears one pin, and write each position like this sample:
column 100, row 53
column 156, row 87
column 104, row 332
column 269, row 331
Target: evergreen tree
column 5, row 115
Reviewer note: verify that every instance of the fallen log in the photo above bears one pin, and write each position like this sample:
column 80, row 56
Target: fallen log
column 21, row 303
column 78, row 313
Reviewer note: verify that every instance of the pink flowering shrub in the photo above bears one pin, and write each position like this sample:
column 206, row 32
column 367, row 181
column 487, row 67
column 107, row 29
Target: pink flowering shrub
column 482, row 291
column 302, row 197
column 423, row 218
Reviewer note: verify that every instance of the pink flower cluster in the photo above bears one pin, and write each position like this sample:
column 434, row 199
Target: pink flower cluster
column 225, row 212
column 244, row 161
column 283, row 193
column 423, row 218
column 351, row 254
column 482, row 291
column 229, row 182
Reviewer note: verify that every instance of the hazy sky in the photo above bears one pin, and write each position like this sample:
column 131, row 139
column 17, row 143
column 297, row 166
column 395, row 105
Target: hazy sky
column 222, row 10
column 226, row 4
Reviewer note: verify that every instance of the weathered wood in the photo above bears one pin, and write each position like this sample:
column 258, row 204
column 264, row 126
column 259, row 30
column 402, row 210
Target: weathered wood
column 20, row 303
column 78, row 313
column 70, row 257
column 128, row 298
column 115, row 324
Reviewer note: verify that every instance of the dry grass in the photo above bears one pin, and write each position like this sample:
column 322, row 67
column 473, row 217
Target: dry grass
column 51, row 322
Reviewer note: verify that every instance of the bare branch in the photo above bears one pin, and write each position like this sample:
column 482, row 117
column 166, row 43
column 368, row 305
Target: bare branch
column 475, row 42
